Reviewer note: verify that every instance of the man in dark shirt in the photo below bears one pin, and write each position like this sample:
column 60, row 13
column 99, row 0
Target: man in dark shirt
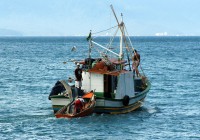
column 78, row 75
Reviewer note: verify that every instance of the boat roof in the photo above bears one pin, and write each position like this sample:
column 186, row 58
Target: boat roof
column 102, row 71
column 112, row 60
column 101, row 68
column 117, row 62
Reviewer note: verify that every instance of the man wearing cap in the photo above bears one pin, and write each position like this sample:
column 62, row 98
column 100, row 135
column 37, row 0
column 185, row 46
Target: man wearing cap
column 78, row 75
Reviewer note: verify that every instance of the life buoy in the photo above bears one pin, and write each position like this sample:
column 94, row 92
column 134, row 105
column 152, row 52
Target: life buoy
column 125, row 100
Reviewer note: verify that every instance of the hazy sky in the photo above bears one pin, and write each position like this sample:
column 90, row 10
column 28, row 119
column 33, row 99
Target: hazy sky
column 77, row 17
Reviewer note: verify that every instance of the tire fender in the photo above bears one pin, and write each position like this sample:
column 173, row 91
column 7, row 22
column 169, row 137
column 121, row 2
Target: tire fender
column 125, row 100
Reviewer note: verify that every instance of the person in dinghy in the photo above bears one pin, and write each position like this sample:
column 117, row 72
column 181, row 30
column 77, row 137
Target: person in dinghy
column 79, row 105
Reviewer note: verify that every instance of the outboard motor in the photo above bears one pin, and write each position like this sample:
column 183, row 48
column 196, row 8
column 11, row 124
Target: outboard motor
column 58, row 88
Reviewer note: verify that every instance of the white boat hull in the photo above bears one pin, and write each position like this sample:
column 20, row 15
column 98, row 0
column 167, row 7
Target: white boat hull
column 58, row 103
column 105, row 105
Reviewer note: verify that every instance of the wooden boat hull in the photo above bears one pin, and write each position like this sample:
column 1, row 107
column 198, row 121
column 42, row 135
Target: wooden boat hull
column 61, row 113
column 119, row 110
column 65, row 112
column 117, row 107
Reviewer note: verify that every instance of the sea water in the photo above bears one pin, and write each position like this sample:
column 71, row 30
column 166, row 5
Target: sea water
column 30, row 66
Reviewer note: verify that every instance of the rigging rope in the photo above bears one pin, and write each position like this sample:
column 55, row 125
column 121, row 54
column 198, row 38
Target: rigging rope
column 129, row 40
column 126, row 43
column 133, row 50
column 111, row 40
column 104, row 30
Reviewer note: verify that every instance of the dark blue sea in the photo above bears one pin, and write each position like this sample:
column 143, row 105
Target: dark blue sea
column 30, row 66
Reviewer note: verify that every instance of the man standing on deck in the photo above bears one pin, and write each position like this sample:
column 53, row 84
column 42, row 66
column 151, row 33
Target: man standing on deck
column 136, row 62
column 78, row 75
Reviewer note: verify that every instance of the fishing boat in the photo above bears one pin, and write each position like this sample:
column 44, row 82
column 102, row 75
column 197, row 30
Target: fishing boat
column 118, row 84
column 68, row 111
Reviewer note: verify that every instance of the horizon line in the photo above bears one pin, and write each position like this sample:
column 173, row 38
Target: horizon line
column 100, row 36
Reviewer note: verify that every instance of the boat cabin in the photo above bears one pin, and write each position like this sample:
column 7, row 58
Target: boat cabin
column 108, row 78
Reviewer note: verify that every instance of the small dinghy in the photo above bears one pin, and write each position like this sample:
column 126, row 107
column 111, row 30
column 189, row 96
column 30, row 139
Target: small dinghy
column 71, row 111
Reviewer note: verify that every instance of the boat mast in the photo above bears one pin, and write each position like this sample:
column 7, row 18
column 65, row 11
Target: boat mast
column 122, row 33
column 123, row 38
column 90, row 43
